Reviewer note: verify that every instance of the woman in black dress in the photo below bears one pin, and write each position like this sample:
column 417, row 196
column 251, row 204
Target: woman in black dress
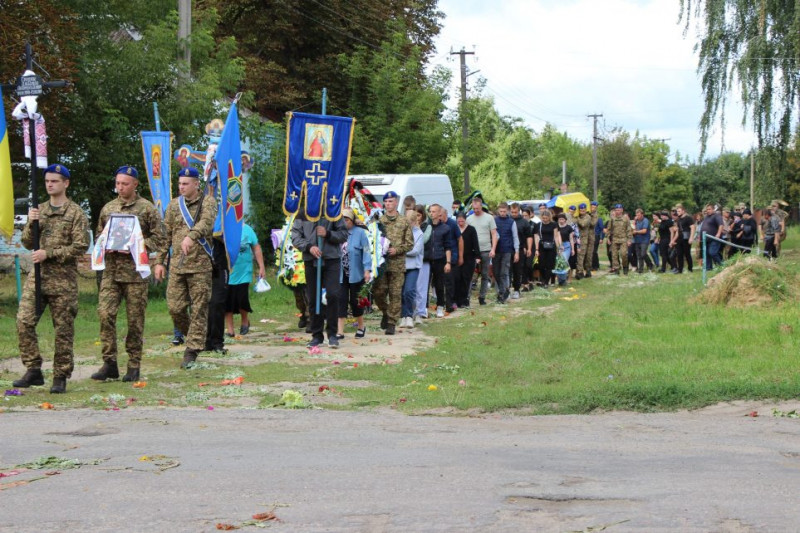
column 472, row 254
column 548, row 242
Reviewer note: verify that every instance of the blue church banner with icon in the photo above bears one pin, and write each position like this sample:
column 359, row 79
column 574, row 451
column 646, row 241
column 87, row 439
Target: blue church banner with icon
column 157, row 147
column 231, row 193
column 317, row 161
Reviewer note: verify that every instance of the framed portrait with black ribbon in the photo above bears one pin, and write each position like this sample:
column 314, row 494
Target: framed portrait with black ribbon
column 120, row 231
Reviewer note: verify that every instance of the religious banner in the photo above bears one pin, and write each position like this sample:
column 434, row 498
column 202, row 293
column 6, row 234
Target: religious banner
column 317, row 161
column 228, row 156
column 157, row 147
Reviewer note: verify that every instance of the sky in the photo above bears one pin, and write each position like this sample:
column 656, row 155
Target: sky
column 557, row 61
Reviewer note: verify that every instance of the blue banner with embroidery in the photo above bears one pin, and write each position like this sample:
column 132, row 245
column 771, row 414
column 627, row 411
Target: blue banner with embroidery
column 189, row 219
column 228, row 157
column 317, row 161
column 156, row 147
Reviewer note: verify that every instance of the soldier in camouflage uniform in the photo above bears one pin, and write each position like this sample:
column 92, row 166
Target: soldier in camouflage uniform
column 63, row 239
column 189, row 233
column 620, row 233
column 121, row 280
column 586, row 223
column 388, row 288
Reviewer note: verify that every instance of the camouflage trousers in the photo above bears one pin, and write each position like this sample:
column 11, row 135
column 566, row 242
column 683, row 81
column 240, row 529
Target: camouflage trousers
column 63, row 309
column 619, row 249
column 111, row 295
column 585, row 254
column 301, row 300
column 388, row 293
column 183, row 291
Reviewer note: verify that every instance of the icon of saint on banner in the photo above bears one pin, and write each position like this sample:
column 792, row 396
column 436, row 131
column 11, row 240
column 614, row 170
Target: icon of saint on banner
column 318, row 142
column 155, row 159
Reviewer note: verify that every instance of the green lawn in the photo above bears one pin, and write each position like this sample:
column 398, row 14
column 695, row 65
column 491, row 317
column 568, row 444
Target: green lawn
column 630, row 343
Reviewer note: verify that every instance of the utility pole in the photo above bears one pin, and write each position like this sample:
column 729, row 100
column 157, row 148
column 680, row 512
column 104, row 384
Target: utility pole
column 594, row 155
column 184, row 31
column 463, row 112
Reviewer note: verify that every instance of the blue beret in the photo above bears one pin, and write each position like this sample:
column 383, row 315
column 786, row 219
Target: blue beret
column 127, row 171
column 58, row 169
column 582, row 206
column 594, row 203
column 390, row 194
column 572, row 208
column 617, row 206
column 189, row 172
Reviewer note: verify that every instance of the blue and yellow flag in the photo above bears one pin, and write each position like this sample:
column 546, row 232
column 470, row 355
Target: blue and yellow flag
column 229, row 174
column 317, row 161
column 157, row 147
column 6, row 183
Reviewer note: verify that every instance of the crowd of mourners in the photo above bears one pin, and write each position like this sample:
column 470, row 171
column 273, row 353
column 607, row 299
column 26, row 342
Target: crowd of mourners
column 513, row 249
column 442, row 256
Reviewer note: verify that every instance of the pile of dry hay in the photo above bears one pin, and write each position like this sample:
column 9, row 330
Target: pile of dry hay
column 751, row 281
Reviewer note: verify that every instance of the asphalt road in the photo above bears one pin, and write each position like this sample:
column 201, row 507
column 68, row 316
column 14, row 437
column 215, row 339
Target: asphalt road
column 188, row 470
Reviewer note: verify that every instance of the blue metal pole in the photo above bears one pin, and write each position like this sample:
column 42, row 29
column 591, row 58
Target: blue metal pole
column 319, row 239
column 703, row 240
column 158, row 119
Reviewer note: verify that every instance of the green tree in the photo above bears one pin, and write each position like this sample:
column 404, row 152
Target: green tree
column 399, row 127
column 552, row 148
column 267, row 145
column 724, row 180
column 753, row 45
column 292, row 48
column 127, row 60
column 620, row 173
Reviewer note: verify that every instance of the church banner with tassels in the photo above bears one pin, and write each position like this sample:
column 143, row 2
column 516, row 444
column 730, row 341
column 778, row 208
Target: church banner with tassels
column 317, row 161
column 157, row 147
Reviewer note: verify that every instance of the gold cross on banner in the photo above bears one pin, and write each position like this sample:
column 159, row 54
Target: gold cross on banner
column 293, row 196
column 334, row 200
column 315, row 173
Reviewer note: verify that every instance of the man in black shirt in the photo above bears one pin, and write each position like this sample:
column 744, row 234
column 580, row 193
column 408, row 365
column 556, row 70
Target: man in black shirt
column 713, row 226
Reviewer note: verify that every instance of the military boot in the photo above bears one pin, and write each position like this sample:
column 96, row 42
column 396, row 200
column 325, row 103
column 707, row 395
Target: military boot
column 107, row 371
column 189, row 357
column 33, row 376
column 59, row 386
column 132, row 375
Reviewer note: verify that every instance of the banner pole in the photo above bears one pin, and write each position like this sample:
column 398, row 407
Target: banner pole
column 319, row 239
column 155, row 115
column 704, row 257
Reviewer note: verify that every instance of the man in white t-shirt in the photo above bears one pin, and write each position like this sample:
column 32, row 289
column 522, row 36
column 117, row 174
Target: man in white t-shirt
column 486, row 229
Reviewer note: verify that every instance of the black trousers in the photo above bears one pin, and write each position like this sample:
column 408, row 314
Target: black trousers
column 464, row 282
column 663, row 250
column 595, row 257
column 517, row 271
column 329, row 312
column 547, row 262
column 684, row 253
column 443, row 299
column 215, row 334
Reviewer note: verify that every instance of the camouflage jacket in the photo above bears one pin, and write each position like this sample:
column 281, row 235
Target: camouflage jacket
column 400, row 238
column 585, row 225
column 619, row 229
column 63, row 234
column 119, row 266
column 176, row 230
